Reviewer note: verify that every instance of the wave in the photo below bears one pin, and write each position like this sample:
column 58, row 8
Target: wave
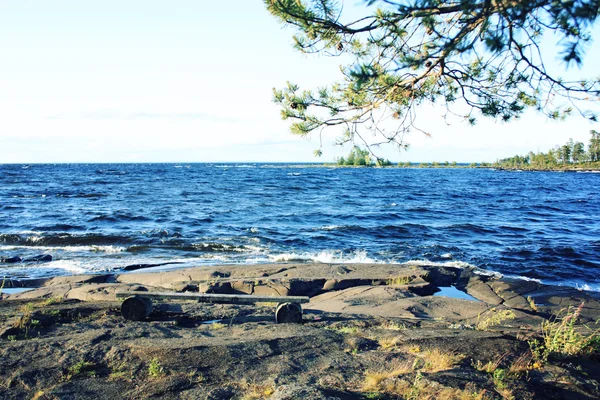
column 455, row 264
column 586, row 286
column 206, row 247
column 221, row 247
column 327, row 257
column 470, row 228
column 62, row 239
column 55, row 228
column 110, row 172
column 92, row 249
column 119, row 216
column 380, row 231
column 55, row 268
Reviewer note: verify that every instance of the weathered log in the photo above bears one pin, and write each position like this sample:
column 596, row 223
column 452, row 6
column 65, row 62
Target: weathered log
column 288, row 313
column 138, row 305
column 136, row 308
column 216, row 298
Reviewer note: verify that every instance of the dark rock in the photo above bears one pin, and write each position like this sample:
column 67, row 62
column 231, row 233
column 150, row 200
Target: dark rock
column 185, row 287
column 9, row 331
column 12, row 260
column 241, row 287
column 293, row 392
column 39, row 258
column 222, row 393
column 360, row 343
column 302, row 287
column 341, row 284
column 271, row 289
column 216, row 288
column 134, row 267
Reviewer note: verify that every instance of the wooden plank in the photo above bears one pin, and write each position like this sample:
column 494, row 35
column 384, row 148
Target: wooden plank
column 216, row 298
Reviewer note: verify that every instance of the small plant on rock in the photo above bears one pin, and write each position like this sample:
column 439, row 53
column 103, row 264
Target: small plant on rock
column 532, row 304
column 493, row 318
column 344, row 329
column 399, row 281
column 563, row 337
column 393, row 326
column 81, row 368
column 155, row 369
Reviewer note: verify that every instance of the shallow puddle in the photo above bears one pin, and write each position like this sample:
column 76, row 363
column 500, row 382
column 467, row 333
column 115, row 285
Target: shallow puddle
column 451, row 291
column 15, row 290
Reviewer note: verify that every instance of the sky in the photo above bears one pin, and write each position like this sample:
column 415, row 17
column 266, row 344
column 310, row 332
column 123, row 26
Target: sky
column 191, row 81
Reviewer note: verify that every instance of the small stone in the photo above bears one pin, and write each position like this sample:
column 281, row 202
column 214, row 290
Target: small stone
column 185, row 287
column 39, row 258
column 12, row 260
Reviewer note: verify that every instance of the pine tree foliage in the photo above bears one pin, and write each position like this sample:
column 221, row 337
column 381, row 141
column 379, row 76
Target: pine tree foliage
column 476, row 58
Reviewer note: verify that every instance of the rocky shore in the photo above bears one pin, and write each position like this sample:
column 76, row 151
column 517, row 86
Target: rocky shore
column 369, row 332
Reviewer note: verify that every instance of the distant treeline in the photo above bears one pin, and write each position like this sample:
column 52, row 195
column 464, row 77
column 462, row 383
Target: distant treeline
column 359, row 157
column 570, row 155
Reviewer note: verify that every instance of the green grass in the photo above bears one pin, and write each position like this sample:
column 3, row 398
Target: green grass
column 493, row 318
column 399, row 281
column 81, row 368
column 344, row 329
column 564, row 337
column 155, row 369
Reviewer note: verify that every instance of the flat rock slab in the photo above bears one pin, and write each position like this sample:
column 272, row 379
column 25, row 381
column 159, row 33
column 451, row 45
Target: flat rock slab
column 387, row 301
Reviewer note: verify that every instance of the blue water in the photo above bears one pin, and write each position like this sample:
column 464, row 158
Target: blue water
column 104, row 217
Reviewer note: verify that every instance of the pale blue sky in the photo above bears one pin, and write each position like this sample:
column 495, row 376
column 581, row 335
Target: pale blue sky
column 185, row 81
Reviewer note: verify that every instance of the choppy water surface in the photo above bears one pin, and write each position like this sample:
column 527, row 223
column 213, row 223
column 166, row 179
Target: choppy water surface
column 104, row 217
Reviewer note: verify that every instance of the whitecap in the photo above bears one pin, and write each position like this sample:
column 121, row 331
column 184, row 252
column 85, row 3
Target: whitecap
column 327, row 257
column 74, row 249
column 330, row 227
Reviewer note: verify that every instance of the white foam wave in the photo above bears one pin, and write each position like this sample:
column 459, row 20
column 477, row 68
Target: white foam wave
column 330, row 227
column 523, row 278
column 73, row 267
column 235, row 166
column 587, row 287
column 327, row 257
column 74, row 249
column 456, row 264
column 26, row 232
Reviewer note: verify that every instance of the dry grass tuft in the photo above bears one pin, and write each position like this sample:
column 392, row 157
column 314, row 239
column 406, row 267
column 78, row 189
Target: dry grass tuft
column 532, row 304
column 216, row 326
column 491, row 365
column 421, row 388
column 399, row 281
column 522, row 364
column 253, row 391
column 436, row 360
column 393, row 326
column 493, row 318
column 563, row 336
column 430, row 360
column 389, row 343
column 374, row 378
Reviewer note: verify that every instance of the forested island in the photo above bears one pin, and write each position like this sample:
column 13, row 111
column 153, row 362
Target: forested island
column 570, row 156
column 573, row 155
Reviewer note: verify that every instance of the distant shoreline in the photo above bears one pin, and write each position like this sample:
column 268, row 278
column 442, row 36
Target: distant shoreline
column 415, row 165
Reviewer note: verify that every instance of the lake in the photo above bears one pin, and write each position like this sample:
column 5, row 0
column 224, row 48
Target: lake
column 96, row 218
